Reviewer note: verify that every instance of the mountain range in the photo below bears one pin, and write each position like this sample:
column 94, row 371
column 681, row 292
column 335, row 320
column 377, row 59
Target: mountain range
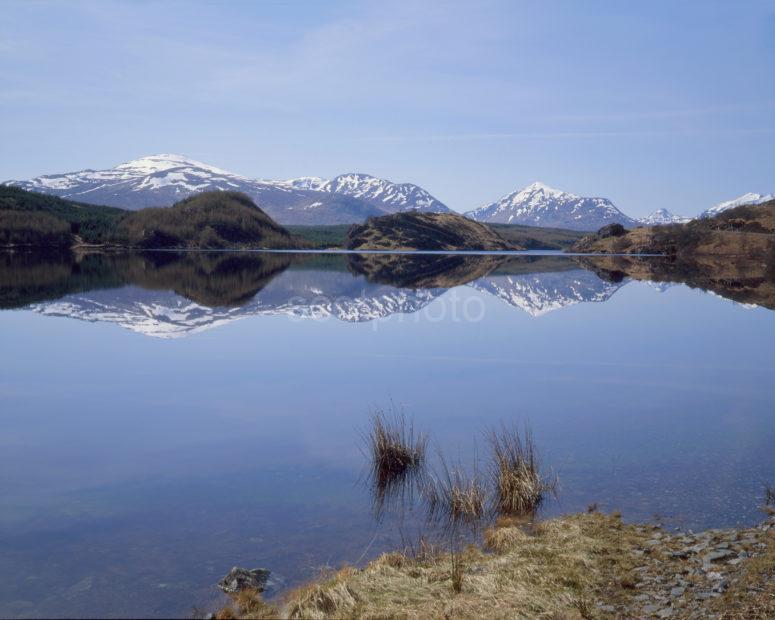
column 162, row 180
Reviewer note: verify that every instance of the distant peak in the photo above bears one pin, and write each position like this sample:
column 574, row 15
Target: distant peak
column 165, row 161
column 537, row 186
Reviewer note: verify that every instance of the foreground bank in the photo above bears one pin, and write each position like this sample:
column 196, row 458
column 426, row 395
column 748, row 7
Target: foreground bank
column 581, row 566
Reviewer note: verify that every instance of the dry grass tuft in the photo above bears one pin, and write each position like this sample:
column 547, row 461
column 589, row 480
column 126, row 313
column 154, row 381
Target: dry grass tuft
column 334, row 598
column 519, row 484
column 397, row 456
column 247, row 604
column 454, row 498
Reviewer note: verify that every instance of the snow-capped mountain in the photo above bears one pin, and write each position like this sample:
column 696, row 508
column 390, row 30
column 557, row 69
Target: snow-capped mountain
column 162, row 180
column 392, row 197
column 540, row 205
column 746, row 199
column 663, row 216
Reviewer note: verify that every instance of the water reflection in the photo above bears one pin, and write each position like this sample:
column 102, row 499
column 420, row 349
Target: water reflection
column 168, row 294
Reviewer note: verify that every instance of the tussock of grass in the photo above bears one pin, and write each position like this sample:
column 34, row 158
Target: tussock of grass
column 247, row 604
column 454, row 498
column 331, row 598
column 397, row 456
column 518, row 482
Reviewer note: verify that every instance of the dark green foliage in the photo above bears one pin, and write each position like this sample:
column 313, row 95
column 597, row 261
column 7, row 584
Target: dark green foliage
column 611, row 230
column 92, row 223
column 35, row 229
column 322, row 236
column 210, row 220
column 535, row 238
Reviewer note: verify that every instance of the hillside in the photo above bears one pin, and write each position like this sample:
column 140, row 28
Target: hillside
column 210, row 220
column 747, row 230
column 425, row 231
column 92, row 223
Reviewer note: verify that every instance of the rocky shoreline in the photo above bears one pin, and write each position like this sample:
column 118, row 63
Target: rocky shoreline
column 686, row 574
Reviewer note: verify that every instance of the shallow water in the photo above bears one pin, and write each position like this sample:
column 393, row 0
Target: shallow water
column 167, row 417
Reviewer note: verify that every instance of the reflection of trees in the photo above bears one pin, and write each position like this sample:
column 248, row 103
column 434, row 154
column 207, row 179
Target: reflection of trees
column 211, row 279
column 741, row 280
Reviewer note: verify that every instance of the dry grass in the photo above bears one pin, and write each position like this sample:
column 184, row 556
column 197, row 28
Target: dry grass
column 519, row 485
column 753, row 596
column 555, row 573
column 248, row 604
column 397, row 456
column 455, row 498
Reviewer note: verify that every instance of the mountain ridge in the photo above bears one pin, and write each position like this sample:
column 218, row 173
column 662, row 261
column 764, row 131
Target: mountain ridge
column 164, row 179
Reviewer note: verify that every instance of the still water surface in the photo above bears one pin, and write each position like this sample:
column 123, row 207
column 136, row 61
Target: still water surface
column 167, row 417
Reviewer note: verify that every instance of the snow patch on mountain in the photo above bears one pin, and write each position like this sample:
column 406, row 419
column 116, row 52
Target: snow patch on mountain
column 746, row 199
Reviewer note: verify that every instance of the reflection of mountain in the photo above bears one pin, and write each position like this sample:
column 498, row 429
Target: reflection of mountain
column 310, row 294
column 174, row 294
column 539, row 293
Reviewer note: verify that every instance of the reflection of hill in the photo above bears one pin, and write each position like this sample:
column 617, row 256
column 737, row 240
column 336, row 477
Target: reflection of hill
column 423, row 270
column 741, row 280
column 211, row 279
column 30, row 277
column 216, row 279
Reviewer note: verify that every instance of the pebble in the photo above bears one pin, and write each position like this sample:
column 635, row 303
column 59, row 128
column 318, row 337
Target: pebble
column 676, row 592
column 715, row 556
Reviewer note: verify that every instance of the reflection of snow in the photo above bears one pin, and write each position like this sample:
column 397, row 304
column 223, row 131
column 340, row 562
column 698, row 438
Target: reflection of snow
column 539, row 293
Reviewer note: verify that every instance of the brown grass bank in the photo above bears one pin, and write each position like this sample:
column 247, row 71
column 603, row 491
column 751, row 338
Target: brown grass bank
column 580, row 566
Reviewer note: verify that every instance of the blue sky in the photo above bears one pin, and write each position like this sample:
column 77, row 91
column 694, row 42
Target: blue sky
column 652, row 104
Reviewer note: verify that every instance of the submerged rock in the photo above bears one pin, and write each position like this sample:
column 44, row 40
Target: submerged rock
column 239, row 579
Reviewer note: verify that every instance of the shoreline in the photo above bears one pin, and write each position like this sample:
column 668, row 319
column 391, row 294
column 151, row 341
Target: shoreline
column 587, row 565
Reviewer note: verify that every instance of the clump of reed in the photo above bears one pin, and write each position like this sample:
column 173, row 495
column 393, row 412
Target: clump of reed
column 397, row 456
column 455, row 497
column 519, row 485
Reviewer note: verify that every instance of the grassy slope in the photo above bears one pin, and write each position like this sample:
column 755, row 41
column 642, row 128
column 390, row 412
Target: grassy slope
column 743, row 231
column 425, row 231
